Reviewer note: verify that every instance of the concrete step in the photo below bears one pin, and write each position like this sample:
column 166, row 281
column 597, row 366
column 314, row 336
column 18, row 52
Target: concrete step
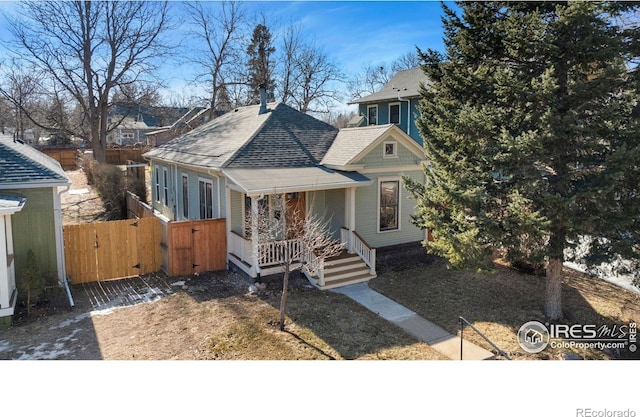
column 347, row 281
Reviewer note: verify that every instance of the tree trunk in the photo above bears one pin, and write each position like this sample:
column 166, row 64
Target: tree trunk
column 553, row 301
column 283, row 299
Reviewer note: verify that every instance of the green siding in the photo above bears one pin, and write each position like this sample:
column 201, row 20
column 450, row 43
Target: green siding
column 176, row 192
column 236, row 212
column 367, row 214
column 375, row 159
column 335, row 211
column 34, row 228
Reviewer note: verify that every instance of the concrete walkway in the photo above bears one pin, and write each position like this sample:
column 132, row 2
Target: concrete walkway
column 433, row 335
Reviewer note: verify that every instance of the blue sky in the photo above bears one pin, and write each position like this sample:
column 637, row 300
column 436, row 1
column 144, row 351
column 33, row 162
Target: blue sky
column 353, row 33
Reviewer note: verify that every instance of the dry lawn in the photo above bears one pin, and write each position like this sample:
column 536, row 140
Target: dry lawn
column 499, row 303
column 215, row 318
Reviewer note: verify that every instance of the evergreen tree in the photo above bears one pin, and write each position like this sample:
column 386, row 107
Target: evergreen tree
column 260, row 64
column 530, row 125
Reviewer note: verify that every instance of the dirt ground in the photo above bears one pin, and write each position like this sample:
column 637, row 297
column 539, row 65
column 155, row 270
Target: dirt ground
column 81, row 204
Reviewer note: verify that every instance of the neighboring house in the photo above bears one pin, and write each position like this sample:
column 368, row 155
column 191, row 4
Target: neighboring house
column 189, row 121
column 135, row 121
column 396, row 103
column 30, row 217
column 253, row 155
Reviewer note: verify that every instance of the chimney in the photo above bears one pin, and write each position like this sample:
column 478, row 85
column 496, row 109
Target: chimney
column 263, row 99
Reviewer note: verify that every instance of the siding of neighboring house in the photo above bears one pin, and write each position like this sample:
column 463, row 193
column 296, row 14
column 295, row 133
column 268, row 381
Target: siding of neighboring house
column 383, row 115
column 34, row 228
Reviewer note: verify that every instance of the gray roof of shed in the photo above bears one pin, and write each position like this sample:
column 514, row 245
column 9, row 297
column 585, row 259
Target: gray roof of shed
column 21, row 164
column 405, row 84
column 281, row 137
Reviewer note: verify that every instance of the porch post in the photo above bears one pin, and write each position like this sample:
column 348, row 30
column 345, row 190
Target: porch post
column 352, row 216
column 227, row 221
column 5, row 294
column 254, row 235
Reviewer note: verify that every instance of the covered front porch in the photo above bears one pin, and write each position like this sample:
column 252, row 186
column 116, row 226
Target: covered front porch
column 286, row 194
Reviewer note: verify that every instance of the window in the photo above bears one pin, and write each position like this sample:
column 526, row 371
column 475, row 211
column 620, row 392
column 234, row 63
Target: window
column 157, row 183
column 390, row 150
column 394, row 113
column 372, row 114
column 185, row 196
column 389, row 205
column 206, row 199
column 165, row 189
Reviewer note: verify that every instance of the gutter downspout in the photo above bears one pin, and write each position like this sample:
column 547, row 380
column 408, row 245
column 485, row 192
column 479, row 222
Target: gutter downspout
column 57, row 208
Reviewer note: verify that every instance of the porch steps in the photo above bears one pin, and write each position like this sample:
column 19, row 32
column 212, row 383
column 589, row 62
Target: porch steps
column 343, row 270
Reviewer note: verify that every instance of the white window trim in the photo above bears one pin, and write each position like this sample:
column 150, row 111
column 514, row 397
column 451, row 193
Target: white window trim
column 377, row 115
column 183, row 197
column 397, row 103
column 381, row 180
column 395, row 149
column 206, row 181
column 157, row 179
column 165, row 186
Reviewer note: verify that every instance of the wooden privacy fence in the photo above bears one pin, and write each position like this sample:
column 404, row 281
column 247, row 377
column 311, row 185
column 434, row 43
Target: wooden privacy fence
column 136, row 208
column 193, row 246
column 66, row 156
column 120, row 156
column 112, row 250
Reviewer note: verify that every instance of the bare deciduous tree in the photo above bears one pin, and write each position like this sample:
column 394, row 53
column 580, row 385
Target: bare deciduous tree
column 374, row 77
column 219, row 29
column 89, row 49
column 309, row 79
column 301, row 240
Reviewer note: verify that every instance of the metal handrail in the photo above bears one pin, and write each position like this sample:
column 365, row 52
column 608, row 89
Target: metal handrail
column 462, row 321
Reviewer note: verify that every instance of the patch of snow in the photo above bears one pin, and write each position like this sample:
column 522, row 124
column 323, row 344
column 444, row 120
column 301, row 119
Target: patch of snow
column 177, row 284
column 605, row 273
column 79, row 191
column 4, row 345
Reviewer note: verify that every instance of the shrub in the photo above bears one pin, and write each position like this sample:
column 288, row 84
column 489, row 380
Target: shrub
column 32, row 282
column 110, row 184
column 88, row 164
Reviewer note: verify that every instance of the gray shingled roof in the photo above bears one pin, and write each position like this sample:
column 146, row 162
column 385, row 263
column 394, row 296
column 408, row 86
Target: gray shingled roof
column 405, row 84
column 281, row 137
column 20, row 164
column 350, row 142
column 288, row 138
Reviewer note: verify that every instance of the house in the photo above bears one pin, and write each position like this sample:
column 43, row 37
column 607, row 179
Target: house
column 396, row 103
column 135, row 121
column 30, row 217
column 190, row 120
column 255, row 155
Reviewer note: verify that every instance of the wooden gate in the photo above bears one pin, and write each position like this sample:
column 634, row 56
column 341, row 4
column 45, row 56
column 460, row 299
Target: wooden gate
column 194, row 246
column 112, row 250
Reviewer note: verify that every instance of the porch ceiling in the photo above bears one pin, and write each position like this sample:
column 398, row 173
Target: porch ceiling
column 284, row 180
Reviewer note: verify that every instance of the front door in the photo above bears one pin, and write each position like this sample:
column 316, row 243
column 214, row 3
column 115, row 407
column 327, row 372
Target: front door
column 296, row 213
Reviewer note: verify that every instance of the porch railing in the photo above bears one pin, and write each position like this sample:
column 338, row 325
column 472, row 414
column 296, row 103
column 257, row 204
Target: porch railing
column 274, row 253
column 315, row 264
column 241, row 247
column 366, row 252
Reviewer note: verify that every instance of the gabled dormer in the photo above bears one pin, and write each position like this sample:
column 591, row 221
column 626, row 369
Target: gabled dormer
column 395, row 103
